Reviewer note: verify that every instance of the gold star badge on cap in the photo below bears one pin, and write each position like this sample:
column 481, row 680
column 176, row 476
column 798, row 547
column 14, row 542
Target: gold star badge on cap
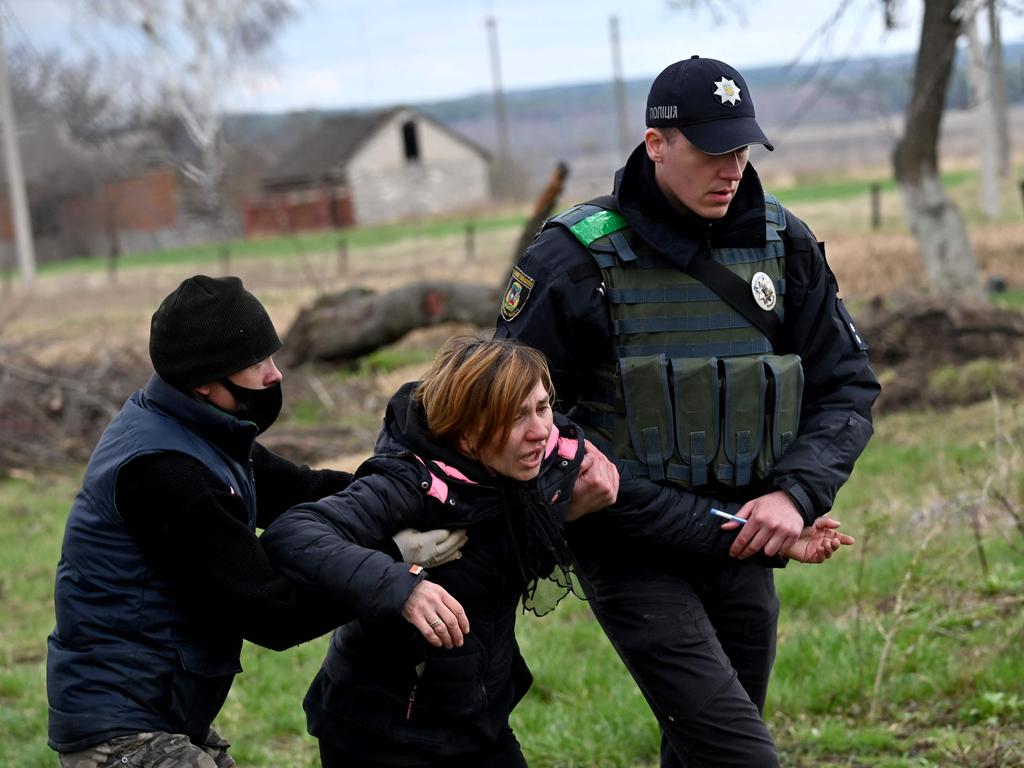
column 728, row 91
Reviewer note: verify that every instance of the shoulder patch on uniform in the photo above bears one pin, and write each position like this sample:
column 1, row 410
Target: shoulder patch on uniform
column 518, row 291
column 598, row 225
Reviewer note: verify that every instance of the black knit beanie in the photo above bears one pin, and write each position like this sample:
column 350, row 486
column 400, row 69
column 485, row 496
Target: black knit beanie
column 209, row 328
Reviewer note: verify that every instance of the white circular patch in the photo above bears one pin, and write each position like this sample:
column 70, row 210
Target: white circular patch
column 763, row 288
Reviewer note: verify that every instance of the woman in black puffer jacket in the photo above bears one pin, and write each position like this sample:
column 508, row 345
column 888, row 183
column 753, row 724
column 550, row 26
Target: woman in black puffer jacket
column 475, row 445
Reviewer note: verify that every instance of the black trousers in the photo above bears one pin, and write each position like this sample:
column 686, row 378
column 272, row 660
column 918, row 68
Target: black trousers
column 700, row 644
column 503, row 753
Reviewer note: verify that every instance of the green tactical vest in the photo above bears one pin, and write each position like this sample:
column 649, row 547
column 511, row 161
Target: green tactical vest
column 696, row 393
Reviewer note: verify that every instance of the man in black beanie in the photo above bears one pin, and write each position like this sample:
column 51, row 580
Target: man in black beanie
column 161, row 573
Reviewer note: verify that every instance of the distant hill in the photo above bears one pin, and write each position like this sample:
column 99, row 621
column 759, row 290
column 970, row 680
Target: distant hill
column 577, row 123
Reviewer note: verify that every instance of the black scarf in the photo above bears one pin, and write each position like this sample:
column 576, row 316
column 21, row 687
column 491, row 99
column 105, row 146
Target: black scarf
column 535, row 528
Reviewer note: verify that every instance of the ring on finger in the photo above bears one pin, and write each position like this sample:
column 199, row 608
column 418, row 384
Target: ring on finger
column 436, row 622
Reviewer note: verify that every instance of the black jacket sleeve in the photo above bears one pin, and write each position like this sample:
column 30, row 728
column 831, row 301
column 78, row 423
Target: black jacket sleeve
column 280, row 484
column 193, row 531
column 327, row 544
column 665, row 521
column 839, row 385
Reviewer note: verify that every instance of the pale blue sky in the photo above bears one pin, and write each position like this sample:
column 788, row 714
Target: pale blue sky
column 341, row 53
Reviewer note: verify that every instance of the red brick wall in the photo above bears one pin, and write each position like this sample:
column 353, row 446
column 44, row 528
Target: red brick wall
column 298, row 211
column 146, row 203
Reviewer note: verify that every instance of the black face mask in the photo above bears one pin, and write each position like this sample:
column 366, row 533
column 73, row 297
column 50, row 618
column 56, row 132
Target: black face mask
column 260, row 406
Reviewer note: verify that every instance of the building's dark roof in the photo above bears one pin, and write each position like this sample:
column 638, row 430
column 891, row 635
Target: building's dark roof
column 331, row 145
column 327, row 149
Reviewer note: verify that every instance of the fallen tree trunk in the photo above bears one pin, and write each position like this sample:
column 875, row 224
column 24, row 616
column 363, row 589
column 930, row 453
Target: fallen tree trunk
column 355, row 322
column 346, row 325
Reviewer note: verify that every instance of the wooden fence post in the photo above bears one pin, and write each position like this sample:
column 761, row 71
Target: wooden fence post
column 112, row 266
column 7, row 274
column 342, row 263
column 470, row 241
column 876, row 205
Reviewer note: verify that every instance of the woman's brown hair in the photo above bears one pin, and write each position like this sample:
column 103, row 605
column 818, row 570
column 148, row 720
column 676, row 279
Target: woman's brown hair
column 475, row 386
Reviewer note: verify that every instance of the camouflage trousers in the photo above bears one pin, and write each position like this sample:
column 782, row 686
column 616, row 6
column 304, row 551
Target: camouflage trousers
column 153, row 750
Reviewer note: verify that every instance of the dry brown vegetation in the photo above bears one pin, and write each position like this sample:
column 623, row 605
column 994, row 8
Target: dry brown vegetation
column 75, row 347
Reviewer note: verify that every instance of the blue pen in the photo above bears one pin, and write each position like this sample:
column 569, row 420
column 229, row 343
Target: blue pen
column 727, row 516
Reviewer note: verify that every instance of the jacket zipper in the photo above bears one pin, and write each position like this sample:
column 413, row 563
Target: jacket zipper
column 412, row 700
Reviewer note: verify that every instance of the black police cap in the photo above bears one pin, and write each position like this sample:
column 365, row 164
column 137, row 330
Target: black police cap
column 709, row 102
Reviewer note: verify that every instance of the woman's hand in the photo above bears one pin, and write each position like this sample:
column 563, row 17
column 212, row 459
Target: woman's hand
column 436, row 614
column 816, row 543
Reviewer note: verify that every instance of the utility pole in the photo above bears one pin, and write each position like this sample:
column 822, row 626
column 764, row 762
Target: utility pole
column 500, row 115
column 15, row 179
column 619, row 84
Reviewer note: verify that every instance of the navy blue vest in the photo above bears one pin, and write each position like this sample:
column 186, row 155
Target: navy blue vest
column 125, row 656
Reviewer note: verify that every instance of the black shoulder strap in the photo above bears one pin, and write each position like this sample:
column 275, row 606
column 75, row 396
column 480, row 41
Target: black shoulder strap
column 608, row 202
column 737, row 293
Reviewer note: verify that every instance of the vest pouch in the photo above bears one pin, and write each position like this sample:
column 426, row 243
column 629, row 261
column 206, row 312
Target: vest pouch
column 695, row 391
column 743, row 391
column 648, row 411
column 785, row 379
column 200, row 687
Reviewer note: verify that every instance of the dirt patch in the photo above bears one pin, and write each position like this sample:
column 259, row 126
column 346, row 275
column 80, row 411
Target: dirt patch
column 887, row 264
column 73, row 349
column 935, row 354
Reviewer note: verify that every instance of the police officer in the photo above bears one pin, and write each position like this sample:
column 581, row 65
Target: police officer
column 693, row 327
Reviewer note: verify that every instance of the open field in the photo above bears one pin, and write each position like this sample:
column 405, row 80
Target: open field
column 905, row 652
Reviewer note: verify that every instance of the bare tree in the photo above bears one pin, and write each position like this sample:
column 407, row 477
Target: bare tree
column 934, row 218
column 82, row 94
column 987, row 79
column 1002, row 119
column 195, row 51
column 718, row 9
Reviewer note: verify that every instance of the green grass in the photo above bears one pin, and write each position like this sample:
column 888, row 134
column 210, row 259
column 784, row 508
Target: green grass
column 900, row 652
column 281, row 247
column 844, row 189
column 961, row 183
column 1011, row 299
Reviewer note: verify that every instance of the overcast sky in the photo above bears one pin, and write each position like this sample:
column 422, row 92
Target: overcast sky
column 353, row 53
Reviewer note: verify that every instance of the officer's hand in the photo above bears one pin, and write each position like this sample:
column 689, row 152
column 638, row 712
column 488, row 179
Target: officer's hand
column 773, row 524
column 816, row 543
column 430, row 548
column 597, row 485
column 436, row 614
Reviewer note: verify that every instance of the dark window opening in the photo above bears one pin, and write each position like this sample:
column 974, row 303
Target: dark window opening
column 410, row 141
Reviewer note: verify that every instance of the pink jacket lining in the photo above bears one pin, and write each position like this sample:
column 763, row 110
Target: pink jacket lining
column 565, row 446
